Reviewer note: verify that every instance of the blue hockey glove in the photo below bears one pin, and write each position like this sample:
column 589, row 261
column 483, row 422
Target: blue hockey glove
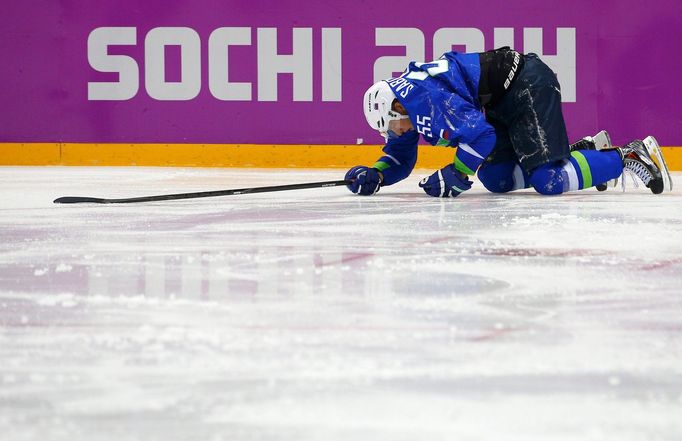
column 366, row 180
column 446, row 182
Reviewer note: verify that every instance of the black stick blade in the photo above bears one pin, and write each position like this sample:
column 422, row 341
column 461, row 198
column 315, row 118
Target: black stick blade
column 78, row 200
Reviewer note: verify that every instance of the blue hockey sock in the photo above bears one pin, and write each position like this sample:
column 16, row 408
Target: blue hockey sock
column 583, row 169
column 503, row 177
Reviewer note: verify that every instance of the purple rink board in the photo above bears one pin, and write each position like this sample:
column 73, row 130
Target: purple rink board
column 295, row 72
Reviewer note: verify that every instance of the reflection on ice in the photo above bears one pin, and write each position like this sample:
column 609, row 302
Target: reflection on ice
column 214, row 276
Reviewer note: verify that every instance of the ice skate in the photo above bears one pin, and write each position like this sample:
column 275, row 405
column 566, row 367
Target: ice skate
column 638, row 161
column 657, row 155
column 600, row 141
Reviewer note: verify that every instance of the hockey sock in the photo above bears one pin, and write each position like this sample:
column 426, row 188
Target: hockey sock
column 583, row 169
column 503, row 177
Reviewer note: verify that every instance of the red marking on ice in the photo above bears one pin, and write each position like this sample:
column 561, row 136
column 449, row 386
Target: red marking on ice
column 493, row 334
column 347, row 257
column 434, row 240
column 661, row 264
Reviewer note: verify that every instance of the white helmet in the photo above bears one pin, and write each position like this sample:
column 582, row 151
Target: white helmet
column 377, row 105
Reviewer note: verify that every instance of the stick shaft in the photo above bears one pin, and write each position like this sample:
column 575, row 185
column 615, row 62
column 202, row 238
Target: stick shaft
column 201, row 194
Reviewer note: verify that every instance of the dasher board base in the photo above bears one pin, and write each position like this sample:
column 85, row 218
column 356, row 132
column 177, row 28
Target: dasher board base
column 227, row 155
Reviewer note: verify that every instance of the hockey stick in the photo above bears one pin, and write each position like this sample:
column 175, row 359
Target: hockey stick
column 201, row 194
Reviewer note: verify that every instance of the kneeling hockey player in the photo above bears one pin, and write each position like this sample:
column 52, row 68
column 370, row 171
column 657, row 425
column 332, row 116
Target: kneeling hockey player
column 502, row 111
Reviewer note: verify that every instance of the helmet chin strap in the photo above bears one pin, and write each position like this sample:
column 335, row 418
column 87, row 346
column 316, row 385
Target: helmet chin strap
column 393, row 115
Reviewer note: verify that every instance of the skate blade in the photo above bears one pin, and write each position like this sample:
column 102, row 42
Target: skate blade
column 613, row 183
column 623, row 179
column 657, row 155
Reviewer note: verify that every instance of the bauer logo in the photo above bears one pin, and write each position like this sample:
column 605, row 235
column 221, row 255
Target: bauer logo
column 308, row 70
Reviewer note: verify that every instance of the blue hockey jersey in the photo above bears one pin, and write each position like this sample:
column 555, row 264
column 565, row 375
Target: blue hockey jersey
column 441, row 98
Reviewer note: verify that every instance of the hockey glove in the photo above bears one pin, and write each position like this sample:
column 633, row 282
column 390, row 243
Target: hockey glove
column 366, row 181
column 446, row 182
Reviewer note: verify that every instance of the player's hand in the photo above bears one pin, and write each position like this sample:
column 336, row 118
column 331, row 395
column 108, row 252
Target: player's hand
column 446, row 182
column 366, row 180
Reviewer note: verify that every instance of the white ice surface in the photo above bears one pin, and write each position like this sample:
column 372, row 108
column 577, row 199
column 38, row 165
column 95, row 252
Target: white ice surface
column 321, row 315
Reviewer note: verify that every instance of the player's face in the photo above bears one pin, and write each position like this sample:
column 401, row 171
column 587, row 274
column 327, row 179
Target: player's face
column 400, row 124
column 398, row 127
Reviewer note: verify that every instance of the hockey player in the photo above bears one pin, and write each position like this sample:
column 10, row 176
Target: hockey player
column 501, row 110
